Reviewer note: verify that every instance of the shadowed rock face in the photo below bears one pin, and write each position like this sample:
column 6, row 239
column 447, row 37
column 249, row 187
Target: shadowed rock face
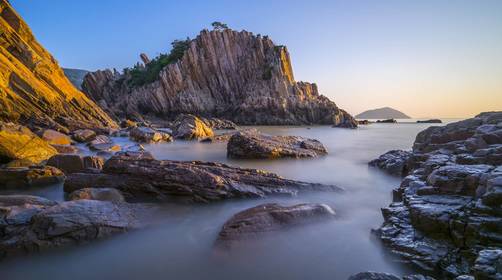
column 447, row 215
column 30, row 224
column 253, row 144
column 33, row 89
column 141, row 178
column 266, row 218
column 226, row 74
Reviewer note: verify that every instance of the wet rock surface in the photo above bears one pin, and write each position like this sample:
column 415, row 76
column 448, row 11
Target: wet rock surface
column 446, row 218
column 370, row 275
column 394, row 162
column 252, row 144
column 31, row 224
column 84, row 135
column 251, row 223
column 141, row 178
column 55, row 138
column 31, row 176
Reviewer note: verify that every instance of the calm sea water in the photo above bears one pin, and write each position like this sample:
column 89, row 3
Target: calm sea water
column 179, row 245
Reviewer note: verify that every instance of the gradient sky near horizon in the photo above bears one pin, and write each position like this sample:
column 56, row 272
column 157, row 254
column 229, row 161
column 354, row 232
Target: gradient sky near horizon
column 427, row 58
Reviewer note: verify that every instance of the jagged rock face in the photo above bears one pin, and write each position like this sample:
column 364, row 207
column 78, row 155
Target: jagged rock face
column 225, row 74
column 33, row 88
column 447, row 216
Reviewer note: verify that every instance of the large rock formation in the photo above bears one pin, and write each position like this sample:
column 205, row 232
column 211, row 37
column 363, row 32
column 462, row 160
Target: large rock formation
column 447, row 214
column 33, row 89
column 226, row 74
column 142, row 178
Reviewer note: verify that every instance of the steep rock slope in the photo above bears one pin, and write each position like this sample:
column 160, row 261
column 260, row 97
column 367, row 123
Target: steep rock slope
column 33, row 89
column 226, row 74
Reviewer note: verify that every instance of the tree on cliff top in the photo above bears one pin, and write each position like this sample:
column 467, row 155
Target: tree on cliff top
column 219, row 25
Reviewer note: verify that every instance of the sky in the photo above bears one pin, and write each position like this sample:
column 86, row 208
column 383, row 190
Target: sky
column 427, row 58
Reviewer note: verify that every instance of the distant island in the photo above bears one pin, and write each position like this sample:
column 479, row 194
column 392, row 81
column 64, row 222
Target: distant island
column 382, row 113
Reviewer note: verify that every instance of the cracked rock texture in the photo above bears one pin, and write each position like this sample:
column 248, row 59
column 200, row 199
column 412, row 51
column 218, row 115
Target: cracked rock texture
column 226, row 74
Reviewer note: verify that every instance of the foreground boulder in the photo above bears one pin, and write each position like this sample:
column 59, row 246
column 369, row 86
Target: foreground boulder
column 190, row 127
column 30, row 224
column 216, row 123
column 104, row 194
column 446, row 216
column 75, row 163
column 141, row 178
column 18, row 142
column 103, row 143
column 266, row 218
column 18, row 177
column 255, row 145
column 149, row 135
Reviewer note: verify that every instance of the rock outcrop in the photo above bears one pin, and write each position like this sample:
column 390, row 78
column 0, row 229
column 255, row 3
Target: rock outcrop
column 252, row 144
column 75, row 163
column 394, row 162
column 190, row 127
column 103, row 194
column 447, row 216
column 370, row 275
column 142, row 178
column 227, row 74
column 266, row 218
column 149, row 135
column 19, row 143
column 33, row 89
column 31, row 224
column 19, row 177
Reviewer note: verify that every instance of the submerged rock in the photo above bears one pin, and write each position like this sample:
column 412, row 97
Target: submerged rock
column 149, row 135
column 266, row 218
column 446, row 214
column 191, row 127
column 103, row 143
column 253, row 144
column 104, row 194
column 141, row 178
column 17, row 177
column 18, row 142
column 30, row 224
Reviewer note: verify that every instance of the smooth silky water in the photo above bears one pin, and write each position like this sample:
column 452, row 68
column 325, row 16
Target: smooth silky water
column 179, row 244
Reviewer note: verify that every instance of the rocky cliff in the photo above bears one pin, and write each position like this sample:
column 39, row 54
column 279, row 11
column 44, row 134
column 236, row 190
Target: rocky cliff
column 33, row 89
column 225, row 74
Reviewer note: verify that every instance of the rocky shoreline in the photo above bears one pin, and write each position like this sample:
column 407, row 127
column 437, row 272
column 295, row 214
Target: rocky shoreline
column 446, row 216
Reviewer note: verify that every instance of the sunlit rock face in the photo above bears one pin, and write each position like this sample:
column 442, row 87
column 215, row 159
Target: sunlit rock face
column 33, row 88
column 226, row 74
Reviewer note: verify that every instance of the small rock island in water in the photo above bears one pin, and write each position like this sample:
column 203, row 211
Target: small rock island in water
column 77, row 166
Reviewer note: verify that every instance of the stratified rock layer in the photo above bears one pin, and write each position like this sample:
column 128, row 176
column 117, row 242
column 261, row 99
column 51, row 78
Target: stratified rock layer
column 447, row 214
column 141, row 178
column 33, row 89
column 226, row 74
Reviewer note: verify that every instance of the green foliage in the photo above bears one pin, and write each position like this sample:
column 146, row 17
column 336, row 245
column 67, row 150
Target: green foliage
column 267, row 73
column 219, row 25
column 142, row 75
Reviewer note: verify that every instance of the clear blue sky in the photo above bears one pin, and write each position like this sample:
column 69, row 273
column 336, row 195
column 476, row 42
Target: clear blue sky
column 426, row 58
